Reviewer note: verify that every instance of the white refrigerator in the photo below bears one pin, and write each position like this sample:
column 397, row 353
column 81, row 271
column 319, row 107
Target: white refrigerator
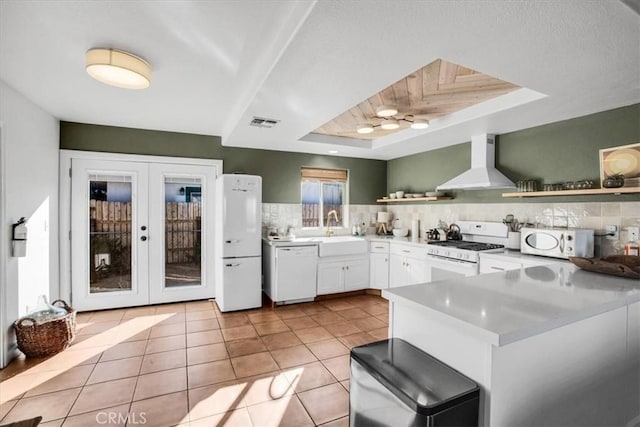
column 238, row 242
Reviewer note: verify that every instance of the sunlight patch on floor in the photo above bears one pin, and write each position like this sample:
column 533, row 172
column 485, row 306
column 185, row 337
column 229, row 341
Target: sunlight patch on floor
column 76, row 355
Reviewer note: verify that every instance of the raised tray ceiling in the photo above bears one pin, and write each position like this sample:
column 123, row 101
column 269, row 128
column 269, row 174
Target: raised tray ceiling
column 435, row 90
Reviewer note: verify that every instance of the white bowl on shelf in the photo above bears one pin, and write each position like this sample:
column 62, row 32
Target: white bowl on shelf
column 392, row 195
column 400, row 232
column 434, row 194
column 399, row 194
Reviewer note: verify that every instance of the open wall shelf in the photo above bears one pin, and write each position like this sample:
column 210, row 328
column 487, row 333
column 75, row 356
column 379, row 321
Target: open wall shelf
column 591, row 191
column 414, row 199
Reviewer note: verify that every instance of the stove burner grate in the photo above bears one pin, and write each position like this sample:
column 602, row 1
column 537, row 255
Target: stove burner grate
column 469, row 246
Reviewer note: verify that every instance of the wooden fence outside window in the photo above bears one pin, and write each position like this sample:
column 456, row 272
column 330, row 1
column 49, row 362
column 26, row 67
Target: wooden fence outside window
column 111, row 221
column 311, row 215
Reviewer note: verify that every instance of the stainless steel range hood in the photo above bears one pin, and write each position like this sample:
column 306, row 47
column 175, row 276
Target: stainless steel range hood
column 483, row 174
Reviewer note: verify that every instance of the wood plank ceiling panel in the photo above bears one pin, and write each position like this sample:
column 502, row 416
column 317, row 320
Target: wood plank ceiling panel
column 437, row 89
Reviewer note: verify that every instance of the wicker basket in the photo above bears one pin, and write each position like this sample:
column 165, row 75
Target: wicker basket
column 47, row 338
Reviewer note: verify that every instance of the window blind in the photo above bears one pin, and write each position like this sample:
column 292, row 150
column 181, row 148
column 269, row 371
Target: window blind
column 324, row 175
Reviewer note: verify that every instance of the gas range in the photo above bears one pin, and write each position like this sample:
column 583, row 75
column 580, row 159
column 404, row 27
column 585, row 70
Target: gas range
column 461, row 249
column 478, row 236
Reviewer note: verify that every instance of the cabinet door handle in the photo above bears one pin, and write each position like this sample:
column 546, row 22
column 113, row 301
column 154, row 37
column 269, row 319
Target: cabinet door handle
column 497, row 268
column 378, row 247
column 347, row 267
column 406, row 251
column 232, row 265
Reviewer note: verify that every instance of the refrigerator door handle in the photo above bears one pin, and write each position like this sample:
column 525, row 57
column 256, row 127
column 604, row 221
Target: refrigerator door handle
column 232, row 241
column 232, row 265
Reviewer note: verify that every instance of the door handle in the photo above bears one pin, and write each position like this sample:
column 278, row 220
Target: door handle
column 232, row 241
column 232, row 265
column 143, row 228
column 143, row 238
column 497, row 268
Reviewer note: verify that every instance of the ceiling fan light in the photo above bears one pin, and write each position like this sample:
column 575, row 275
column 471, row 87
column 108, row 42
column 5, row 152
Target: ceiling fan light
column 420, row 124
column 386, row 110
column 389, row 124
column 365, row 128
column 118, row 68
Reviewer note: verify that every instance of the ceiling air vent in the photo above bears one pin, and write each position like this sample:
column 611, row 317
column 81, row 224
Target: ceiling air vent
column 262, row 122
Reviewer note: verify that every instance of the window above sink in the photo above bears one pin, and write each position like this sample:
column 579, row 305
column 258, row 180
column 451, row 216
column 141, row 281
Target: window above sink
column 321, row 192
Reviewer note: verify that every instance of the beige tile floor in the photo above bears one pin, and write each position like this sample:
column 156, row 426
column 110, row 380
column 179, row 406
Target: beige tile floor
column 187, row 364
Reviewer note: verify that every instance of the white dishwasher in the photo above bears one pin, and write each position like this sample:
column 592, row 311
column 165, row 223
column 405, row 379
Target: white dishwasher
column 293, row 274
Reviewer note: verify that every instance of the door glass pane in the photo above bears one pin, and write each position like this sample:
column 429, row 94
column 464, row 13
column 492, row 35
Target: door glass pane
column 183, row 232
column 109, row 233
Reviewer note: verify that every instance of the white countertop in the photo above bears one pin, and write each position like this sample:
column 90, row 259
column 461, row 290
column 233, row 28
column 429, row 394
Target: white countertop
column 315, row 240
column 526, row 259
column 504, row 307
column 302, row 241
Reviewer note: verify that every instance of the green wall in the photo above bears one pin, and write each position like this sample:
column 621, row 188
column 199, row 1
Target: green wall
column 557, row 152
column 280, row 170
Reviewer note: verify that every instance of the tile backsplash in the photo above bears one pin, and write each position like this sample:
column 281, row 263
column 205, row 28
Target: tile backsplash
column 574, row 215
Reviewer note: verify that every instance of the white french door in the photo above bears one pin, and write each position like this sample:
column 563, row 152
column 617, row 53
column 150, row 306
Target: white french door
column 182, row 250
column 141, row 232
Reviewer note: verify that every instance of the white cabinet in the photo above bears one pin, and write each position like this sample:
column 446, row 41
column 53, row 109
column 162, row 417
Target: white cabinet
column 632, row 393
column 408, row 265
column 379, row 265
column 342, row 275
column 330, row 277
column 356, row 275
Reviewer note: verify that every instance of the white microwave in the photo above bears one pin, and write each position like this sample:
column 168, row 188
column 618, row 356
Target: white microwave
column 557, row 242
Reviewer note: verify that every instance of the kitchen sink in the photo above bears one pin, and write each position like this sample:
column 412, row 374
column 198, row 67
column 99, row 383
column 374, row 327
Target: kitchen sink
column 341, row 245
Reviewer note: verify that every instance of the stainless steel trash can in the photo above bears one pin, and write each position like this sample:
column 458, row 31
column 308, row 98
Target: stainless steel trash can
column 396, row 384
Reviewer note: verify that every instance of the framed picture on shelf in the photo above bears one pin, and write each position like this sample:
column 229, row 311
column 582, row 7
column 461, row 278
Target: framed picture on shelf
column 623, row 160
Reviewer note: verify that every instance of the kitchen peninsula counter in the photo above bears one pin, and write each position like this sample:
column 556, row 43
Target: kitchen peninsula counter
column 549, row 345
column 504, row 307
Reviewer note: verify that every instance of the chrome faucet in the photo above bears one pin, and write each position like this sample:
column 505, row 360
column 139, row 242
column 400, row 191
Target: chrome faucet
column 329, row 232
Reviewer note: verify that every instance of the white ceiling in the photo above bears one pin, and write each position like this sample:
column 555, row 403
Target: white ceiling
column 216, row 64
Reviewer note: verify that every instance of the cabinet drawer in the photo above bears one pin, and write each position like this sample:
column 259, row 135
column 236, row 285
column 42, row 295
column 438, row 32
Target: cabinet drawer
column 494, row 265
column 409, row 251
column 379, row 247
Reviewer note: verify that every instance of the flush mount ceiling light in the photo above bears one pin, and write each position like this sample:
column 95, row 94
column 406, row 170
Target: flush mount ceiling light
column 365, row 128
column 420, row 124
column 389, row 124
column 387, row 119
column 118, row 68
column 386, row 111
